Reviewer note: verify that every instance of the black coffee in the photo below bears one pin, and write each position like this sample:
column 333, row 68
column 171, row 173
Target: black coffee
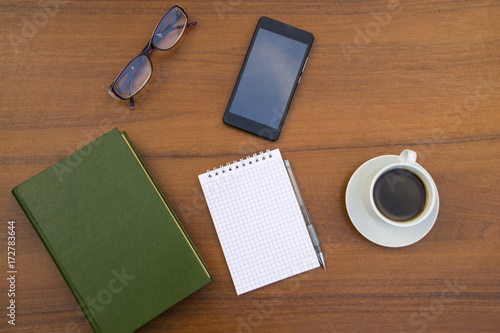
column 399, row 195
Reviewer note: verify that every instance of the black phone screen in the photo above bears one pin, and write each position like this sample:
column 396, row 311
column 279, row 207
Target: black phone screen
column 268, row 78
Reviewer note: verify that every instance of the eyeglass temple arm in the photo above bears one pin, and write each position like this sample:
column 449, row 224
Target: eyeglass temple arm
column 191, row 24
column 132, row 104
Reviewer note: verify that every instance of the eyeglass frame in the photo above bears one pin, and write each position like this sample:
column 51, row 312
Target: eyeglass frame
column 146, row 51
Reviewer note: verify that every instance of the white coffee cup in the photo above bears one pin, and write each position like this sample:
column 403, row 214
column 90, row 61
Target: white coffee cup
column 407, row 161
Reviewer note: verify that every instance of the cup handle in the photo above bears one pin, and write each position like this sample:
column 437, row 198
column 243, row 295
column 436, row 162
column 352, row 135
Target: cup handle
column 408, row 156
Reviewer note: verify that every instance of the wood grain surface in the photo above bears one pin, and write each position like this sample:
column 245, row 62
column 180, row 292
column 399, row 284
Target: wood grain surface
column 382, row 76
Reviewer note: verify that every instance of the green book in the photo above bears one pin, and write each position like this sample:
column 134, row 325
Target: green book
column 112, row 234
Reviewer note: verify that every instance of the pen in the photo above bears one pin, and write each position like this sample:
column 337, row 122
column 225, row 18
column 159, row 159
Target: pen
column 305, row 213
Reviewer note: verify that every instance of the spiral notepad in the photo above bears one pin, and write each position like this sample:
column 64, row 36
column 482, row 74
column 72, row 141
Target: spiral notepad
column 258, row 221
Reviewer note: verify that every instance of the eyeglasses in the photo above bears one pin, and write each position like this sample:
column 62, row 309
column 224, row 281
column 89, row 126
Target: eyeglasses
column 134, row 77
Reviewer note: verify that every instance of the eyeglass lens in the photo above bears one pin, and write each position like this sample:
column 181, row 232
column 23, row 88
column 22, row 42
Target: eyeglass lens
column 134, row 77
column 170, row 29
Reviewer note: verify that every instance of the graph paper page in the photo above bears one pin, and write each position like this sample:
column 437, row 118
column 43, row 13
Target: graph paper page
column 258, row 221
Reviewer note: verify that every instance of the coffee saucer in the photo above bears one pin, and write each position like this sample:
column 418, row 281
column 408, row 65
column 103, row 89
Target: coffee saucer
column 367, row 222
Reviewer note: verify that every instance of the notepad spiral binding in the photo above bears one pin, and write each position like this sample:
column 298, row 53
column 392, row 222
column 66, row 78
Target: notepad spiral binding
column 243, row 162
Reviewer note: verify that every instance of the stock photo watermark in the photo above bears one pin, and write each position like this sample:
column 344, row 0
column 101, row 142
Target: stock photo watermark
column 456, row 114
column 258, row 142
column 11, row 272
column 372, row 29
column 76, row 158
column 47, row 9
column 263, row 309
column 221, row 7
column 425, row 315
column 104, row 297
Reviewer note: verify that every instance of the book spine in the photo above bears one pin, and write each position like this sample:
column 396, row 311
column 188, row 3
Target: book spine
column 56, row 260
column 168, row 204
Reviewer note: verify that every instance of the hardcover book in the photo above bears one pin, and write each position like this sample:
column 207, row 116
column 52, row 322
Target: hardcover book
column 112, row 234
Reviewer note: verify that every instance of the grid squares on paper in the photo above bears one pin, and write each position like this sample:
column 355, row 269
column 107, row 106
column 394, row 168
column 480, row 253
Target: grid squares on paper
column 259, row 224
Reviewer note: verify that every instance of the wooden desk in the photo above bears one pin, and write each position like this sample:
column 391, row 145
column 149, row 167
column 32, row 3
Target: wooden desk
column 417, row 78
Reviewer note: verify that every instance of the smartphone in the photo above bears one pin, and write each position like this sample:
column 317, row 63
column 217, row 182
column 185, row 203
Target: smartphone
column 270, row 73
